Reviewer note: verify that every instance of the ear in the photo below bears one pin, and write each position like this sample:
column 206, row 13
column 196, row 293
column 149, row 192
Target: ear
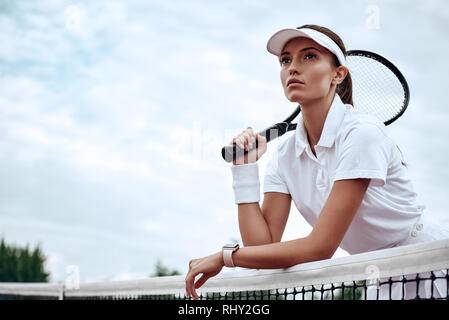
column 340, row 75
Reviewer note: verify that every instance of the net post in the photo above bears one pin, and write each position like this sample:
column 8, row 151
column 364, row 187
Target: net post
column 61, row 293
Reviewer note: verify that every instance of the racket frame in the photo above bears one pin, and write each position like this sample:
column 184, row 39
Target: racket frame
column 228, row 152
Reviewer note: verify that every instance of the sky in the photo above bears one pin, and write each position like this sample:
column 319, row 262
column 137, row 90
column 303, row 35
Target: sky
column 113, row 115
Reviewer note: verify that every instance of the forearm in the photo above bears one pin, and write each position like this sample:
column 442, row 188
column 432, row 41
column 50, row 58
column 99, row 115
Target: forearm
column 278, row 255
column 253, row 227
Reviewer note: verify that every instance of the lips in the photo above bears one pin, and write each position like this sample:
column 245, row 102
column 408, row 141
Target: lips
column 293, row 80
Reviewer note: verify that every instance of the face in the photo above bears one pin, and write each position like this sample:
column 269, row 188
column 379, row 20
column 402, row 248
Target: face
column 305, row 60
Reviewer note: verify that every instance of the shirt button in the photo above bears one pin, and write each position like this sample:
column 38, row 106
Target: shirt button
column 414, row 233
column 419, row 227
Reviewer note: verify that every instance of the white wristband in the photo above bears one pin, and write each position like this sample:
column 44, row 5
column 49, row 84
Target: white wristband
column 246, row 183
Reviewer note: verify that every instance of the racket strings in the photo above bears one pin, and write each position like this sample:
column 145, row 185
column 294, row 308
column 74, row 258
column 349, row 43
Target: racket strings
column 376, row 89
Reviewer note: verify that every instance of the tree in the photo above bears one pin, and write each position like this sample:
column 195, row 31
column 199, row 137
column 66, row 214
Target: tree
column 352, row 291
column 21, row 264
column 162, row 271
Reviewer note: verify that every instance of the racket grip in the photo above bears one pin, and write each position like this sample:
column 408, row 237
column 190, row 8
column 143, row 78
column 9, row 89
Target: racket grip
column 232, row 152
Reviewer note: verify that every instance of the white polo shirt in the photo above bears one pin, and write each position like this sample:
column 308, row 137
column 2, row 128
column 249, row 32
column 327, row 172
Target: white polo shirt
column 352, row 145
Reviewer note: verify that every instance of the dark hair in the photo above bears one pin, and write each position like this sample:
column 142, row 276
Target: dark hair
column 343, row 89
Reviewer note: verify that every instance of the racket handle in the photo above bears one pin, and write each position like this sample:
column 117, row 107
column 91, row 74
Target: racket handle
column 232, row 152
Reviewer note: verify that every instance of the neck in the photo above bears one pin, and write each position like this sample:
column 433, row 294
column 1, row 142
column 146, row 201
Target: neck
column 314, row 115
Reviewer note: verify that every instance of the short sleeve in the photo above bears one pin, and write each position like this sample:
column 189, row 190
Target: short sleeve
column 365, row 152
column 273, row 182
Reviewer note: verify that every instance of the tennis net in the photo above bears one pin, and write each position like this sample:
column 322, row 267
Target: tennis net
column 417, row 271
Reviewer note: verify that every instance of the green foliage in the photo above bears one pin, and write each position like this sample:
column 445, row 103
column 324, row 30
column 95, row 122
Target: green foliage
column 21, row 264
column 162, row 271
column 352, row 291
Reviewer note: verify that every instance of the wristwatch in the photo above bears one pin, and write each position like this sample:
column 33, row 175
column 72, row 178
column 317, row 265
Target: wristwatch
column 228, row 249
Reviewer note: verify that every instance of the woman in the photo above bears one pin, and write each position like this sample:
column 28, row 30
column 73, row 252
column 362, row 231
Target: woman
column 341, row 169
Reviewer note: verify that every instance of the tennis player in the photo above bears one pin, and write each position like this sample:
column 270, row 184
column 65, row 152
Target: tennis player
column 341, row 168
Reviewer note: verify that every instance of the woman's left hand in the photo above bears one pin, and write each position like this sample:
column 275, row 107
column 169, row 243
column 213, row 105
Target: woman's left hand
column 209, row 266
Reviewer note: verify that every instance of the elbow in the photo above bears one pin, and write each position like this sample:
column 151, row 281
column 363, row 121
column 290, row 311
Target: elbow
column 308, row 250
column 327, row 255
column 322, row 247
column 320, row 250
column 325, row 252
column 318, row 254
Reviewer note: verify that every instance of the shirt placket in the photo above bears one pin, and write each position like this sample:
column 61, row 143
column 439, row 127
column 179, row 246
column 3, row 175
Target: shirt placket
column 321, row 182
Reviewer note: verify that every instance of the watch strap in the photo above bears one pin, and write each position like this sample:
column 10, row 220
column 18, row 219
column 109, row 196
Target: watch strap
column 227, row 256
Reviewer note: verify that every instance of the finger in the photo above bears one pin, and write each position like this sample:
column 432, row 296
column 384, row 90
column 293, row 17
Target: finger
column 234, row 140
column 251, row 133
column 246, row 137
column 249, row 141
column 252, row 139
column 194, row 294
column 260, row 138
column 192, row 288
column 201, row 281
column 189, row 283
column 240, row 142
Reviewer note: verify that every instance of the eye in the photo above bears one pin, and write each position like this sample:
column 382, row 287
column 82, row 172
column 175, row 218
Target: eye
column 312, row 55
column 284, row 60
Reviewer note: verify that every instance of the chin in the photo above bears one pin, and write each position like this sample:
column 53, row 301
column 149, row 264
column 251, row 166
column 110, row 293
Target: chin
column 296, row 98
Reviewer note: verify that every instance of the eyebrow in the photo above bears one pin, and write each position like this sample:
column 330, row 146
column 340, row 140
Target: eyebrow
column 286, row 52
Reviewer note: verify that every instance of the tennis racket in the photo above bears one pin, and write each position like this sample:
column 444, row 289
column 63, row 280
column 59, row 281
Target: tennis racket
column 378, row 88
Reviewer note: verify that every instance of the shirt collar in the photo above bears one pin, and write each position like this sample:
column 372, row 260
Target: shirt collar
column 331, row 125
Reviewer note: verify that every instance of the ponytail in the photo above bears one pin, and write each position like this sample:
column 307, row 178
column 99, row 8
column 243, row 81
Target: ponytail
column 344, row 90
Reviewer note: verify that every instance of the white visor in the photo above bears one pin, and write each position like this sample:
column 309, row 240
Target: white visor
column 277, row 41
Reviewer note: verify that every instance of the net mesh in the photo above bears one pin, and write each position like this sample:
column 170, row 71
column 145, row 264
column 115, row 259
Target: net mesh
column 402, row 273
column 355, row 290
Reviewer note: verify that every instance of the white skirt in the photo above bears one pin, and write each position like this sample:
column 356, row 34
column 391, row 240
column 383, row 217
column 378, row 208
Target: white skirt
column 424, row 230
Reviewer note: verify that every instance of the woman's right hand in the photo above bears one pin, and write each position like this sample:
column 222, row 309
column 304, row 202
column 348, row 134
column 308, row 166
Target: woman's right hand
column 246, row 140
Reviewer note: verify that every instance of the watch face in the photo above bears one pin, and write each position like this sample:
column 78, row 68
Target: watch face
column 231, row 246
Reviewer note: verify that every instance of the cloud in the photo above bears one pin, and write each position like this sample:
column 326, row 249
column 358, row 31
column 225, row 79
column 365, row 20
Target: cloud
column 114, row 114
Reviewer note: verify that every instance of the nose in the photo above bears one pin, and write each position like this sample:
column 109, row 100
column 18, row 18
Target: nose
column 294, row 67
